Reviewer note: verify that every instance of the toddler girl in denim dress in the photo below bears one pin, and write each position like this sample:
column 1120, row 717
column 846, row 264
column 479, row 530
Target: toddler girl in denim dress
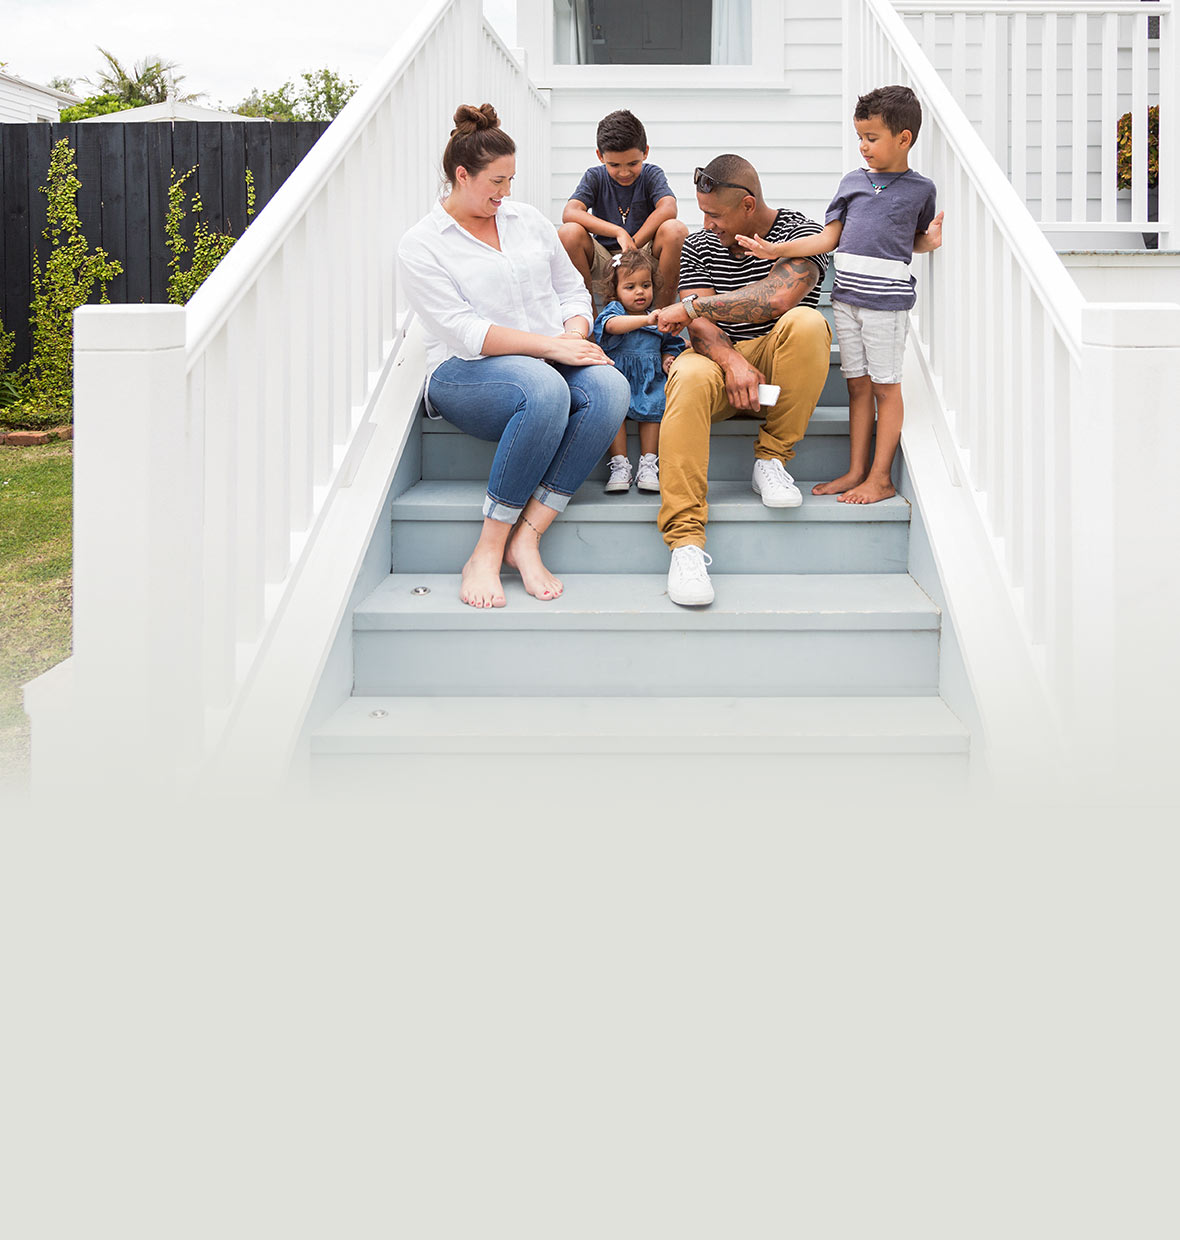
column 627, row 333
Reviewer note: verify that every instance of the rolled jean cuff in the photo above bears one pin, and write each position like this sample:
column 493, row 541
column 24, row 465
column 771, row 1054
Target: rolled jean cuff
column 496, row 511
column 551, row 498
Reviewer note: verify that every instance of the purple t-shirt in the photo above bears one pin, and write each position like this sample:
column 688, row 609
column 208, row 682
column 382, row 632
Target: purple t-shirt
column 626, row 205
column 872, row 260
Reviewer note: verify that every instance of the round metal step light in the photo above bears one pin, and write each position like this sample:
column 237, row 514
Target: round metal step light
column 378, row 714
column 420, row 590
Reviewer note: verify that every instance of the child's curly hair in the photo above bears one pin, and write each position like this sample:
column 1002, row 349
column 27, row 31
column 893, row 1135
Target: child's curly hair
column 628, row 261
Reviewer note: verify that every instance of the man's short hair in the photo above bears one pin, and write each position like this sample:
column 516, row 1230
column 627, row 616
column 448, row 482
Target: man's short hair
column 621, row 131
column 734, row 170
column 897, row 106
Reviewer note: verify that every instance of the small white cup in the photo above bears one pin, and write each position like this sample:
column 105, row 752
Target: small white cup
column 768, row 393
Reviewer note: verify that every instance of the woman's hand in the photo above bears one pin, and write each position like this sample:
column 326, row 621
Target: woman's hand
column 574, row 351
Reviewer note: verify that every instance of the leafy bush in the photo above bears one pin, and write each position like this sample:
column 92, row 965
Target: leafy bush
column 321, row 98
column 96, row 105
column 1153, row 148
column 208, row 248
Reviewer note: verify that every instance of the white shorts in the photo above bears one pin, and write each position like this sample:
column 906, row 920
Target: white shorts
column 872, row 342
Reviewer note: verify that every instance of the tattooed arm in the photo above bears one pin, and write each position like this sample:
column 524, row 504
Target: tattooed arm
column 789, row 281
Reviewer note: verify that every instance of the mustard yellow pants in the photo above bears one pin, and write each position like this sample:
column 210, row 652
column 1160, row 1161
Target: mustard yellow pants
column 795, row 355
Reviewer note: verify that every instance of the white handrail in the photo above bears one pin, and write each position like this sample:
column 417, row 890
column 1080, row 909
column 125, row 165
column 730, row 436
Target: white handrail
column 1105, row 60
column 240, row 268
column 1130, row 8
column 1026, row 386
column 260, row 481
column 1050, row 280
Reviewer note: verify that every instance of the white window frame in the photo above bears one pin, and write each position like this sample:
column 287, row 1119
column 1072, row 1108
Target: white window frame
column 534, row 31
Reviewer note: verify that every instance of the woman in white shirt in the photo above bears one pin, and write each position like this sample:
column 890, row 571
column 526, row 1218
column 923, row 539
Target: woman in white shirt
column 507, row 318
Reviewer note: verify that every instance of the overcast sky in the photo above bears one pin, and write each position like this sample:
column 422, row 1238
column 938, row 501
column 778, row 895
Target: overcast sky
column 223, row 48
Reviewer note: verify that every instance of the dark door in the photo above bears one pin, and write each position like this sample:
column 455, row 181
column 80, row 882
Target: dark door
column 651, row 32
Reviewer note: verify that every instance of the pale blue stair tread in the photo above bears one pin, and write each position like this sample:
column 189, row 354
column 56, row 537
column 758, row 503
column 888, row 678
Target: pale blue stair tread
column 651, row 725
column 826, row 420
column 462, row 500
column 639, row 601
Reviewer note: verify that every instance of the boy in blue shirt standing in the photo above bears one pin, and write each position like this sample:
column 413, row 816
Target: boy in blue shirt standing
column 880, row 217
column 622, row 204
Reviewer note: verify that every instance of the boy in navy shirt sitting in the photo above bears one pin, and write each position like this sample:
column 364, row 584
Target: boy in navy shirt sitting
column 622, row 204
column 880, row 217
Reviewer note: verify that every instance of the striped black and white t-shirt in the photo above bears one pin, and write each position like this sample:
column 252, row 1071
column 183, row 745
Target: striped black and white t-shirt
column 881, row 214
column 706, row 263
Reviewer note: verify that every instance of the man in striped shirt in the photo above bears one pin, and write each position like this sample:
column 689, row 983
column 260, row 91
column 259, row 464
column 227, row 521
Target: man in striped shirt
column 751, row 321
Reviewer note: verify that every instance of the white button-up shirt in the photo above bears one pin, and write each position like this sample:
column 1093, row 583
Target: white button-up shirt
column 460, row 286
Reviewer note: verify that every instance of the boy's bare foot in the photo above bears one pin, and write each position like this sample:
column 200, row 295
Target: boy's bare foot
column 844, row 483
column 869, row 492
column 523, row 553
column 480, row 585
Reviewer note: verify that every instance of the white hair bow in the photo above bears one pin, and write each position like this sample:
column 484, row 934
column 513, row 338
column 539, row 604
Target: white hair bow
column 618, row 258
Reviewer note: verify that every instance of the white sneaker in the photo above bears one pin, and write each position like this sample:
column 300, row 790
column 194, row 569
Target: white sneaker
column 647, row 477
column 688, row 577
column 775, row 485
column 620, row 474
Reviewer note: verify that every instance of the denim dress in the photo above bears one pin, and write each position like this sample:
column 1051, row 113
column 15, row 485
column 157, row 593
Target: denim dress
column 638, row 356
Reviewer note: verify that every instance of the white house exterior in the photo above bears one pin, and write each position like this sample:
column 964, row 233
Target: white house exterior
column 22, row 101
column 282, row 404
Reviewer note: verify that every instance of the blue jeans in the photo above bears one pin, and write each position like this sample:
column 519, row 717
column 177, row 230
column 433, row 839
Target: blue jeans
column 552, row 423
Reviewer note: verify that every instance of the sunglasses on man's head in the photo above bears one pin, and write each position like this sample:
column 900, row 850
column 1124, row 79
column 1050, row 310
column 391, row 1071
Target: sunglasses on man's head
column 706, row 184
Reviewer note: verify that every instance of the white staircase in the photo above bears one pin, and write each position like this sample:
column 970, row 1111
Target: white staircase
column 820, row 653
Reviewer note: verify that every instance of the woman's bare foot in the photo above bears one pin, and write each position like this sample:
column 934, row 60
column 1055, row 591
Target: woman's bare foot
column 480, row 586
column 844, row 483
column 869, row 492
column 523, row 553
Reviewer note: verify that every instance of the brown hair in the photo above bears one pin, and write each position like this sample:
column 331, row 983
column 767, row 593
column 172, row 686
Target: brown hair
column 897, row 106
column 476, row 140
column 629, row 261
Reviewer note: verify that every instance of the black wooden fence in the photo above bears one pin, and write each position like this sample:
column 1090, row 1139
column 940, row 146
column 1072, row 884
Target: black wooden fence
column 125, row 171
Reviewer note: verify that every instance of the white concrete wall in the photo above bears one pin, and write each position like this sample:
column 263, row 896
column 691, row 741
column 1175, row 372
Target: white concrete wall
column 791, row 133
column 1125, row 277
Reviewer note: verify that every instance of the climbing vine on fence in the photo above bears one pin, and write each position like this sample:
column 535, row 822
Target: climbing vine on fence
column 41, row 391
column 208, row 248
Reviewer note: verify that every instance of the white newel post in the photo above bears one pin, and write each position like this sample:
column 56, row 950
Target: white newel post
column 137, row 549
column 1127, row 547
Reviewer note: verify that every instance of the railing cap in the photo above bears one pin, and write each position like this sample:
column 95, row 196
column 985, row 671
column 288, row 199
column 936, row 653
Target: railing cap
column 139, row 329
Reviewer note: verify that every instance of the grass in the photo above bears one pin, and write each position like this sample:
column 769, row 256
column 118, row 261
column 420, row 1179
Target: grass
column 36, row 545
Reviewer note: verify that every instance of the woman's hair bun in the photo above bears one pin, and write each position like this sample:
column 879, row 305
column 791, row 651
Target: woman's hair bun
column 470, row 119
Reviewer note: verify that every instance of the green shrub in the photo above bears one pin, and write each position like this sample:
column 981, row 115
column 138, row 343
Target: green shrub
column 96, row 105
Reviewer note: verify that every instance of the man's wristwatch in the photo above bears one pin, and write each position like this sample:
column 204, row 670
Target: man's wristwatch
column 689, row 308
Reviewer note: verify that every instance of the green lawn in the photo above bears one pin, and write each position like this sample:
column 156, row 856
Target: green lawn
column 35, row 582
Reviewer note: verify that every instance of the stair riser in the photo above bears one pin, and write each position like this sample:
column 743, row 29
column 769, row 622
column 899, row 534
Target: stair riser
column 624, row 547
column 690, row 790
column 662, row 663
column 456, row 457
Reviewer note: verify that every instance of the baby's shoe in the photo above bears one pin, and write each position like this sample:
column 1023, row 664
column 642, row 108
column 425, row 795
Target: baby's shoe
column 648, row 476
column 620, row 475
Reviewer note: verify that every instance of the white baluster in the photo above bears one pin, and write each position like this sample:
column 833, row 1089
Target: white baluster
column 1108, row 129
